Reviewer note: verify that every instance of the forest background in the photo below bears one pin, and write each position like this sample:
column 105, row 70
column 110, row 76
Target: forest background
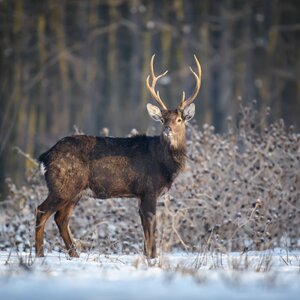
column 85, row 63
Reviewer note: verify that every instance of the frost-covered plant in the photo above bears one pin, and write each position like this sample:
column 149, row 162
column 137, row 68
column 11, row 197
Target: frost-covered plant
column 240, row 191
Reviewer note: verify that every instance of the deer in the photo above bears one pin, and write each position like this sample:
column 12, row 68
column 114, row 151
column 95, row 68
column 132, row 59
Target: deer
column 142, row 167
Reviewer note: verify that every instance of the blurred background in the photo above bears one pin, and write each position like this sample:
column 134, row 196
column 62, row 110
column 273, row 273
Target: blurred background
column 84, row 63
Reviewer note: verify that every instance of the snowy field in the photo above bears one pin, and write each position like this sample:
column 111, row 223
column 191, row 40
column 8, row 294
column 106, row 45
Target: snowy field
column 255, row 275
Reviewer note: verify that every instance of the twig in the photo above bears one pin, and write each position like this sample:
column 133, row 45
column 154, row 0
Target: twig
column 26, row 155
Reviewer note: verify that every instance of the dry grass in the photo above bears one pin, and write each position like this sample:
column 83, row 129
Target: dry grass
column 240, row 192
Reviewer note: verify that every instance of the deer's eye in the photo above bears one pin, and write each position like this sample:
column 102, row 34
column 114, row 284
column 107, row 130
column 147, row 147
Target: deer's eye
column 179, row 120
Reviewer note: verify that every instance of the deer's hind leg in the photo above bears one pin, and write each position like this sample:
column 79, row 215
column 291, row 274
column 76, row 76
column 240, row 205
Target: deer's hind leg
column 43, row 212
column 62, row 218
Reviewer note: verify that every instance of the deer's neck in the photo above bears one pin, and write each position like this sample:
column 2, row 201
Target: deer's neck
column 173, row 159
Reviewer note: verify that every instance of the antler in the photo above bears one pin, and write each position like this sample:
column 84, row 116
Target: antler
column 184, row 103
column 151, row 87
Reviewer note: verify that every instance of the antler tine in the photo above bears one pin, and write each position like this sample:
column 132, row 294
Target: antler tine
column 151, row 87
column 184, row 103
column 183, row 97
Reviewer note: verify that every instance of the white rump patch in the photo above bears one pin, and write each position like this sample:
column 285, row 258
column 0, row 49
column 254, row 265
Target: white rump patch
column 42, row 168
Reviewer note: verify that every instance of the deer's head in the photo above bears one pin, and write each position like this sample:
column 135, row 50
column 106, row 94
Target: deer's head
column 173, row 121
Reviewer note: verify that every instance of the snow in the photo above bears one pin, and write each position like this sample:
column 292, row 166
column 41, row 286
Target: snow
column 255, row 275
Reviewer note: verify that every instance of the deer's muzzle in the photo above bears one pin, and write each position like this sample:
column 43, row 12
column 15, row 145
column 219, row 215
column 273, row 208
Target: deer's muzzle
column 167, row 131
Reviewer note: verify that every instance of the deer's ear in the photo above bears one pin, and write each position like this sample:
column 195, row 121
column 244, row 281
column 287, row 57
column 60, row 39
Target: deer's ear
column 154, row 112
column 189, row 112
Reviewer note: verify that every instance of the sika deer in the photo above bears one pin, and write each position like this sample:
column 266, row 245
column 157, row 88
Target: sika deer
column 140, row 166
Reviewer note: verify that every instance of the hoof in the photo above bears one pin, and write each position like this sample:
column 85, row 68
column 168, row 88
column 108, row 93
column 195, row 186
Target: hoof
column 73, row 253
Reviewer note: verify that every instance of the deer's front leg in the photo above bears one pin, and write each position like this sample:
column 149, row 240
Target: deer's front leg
column 147, row 212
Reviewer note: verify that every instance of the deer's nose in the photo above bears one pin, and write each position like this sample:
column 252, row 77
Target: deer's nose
column 167, row 130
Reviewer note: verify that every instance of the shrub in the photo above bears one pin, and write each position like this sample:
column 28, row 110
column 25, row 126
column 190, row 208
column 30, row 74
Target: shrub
column 240, row 191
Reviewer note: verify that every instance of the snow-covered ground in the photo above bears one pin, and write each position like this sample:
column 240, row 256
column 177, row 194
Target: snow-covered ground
column 255, row 275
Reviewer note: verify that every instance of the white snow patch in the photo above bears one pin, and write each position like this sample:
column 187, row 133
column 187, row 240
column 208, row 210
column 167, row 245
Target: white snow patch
column 173, row 276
